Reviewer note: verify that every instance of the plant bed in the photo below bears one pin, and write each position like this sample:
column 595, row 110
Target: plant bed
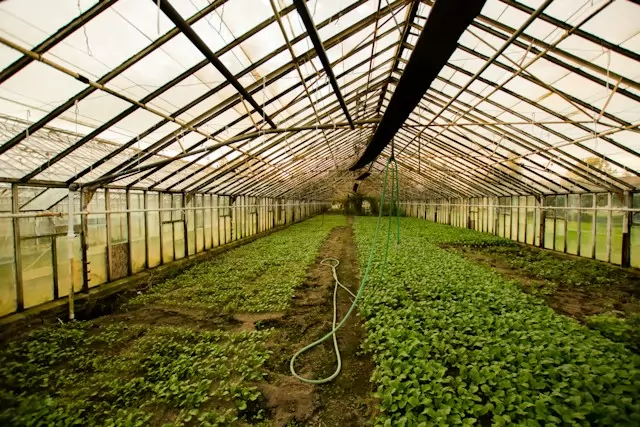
column 603, row 296
column 456, row 343
column 168, row 357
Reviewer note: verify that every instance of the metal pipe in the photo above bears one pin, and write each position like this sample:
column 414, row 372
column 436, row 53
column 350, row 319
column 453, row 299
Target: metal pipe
column 437, row 42
column 301, row 6
column 70, row 238
column 186, row 29
column 486, row 65
column 567, row 208
column 100, row 86
column 125, row 211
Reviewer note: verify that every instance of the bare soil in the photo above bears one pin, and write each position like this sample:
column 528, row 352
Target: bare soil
column 565, row 298
column 287, row 402
column 346, row 401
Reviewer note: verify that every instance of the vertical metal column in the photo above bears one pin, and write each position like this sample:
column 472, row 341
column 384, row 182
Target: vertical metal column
column 127, row 204
column 609, row 225
column 555, row 218
column 185, row 227
column 70, row 238
column 107, row 205
column 160, row 200
column 84, row 234
column 627, row 221
column 541, row 225
column 579, row 238
column 54, row 266
column 594, row 220
column 17, row 251
column 566, row 222
column 145, row 216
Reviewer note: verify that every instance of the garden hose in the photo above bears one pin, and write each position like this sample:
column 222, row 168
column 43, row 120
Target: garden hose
column 332, row 334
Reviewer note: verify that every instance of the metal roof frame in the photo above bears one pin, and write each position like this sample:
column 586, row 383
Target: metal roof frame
column 302, row 146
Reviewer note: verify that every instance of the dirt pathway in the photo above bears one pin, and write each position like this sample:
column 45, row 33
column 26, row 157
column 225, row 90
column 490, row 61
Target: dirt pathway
column 346, row 401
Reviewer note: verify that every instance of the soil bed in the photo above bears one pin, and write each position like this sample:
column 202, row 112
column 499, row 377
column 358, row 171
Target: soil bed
column 576, row 287
column 346, row 401
column 232, row 365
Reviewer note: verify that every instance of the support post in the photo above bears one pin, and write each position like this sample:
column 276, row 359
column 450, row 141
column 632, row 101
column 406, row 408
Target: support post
column 84, row 235
column 161, row 225
column 566, row 222
column 555, row 219
column 70, row 238
column 17, row 250
column 145, row 216
column 127, row 205
column 54, row 267
column 579, row 238
column 185, row 227
column 594, row 220
column 107, row 205
column 541, row 226
column 627, row 222
column 609, row 225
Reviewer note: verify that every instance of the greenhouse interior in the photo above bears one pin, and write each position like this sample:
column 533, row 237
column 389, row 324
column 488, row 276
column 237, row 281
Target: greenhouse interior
column 320, row 213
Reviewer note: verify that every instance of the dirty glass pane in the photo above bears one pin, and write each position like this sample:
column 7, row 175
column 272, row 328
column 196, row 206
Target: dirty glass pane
column 153, row 228
column 560, row 215
column 178, row 226
column 167, row 229
column 635, row 231
column 97, row 240
column 601, row 227
column 191, row 225
column 7, row 284
column 138, row 239
column 549, row 223
column 206, row 217
column 572, row 224
column 617, row 218
column 531, row 220
column 586, row 223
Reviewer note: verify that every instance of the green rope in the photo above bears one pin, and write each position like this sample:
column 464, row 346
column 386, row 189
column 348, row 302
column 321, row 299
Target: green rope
column 395, row 190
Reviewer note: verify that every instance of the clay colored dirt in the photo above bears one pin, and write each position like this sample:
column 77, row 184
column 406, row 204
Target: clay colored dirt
column 346, row 401
column 579, row 302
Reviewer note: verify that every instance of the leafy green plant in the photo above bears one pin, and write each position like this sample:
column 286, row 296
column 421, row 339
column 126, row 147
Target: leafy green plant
column 457, row 344
column 256, row 277
column 619, row 329
column 120, row 374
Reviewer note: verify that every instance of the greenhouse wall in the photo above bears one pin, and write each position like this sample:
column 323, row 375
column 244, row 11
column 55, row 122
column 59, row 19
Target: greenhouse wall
column 118, row 234
column 602, row 226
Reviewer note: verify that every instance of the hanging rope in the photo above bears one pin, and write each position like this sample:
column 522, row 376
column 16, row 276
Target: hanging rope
column 84, row 30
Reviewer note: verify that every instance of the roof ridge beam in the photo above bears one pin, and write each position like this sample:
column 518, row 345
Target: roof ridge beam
column 446, row 23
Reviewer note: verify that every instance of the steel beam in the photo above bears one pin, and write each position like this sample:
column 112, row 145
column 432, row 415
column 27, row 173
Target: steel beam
column 301, row 6
column 438, row 40
column 56, row 38
column 194, row 38
column 398, row 56
column 34, row 127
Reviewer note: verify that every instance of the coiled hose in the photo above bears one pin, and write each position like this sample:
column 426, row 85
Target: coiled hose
column 395, row 188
